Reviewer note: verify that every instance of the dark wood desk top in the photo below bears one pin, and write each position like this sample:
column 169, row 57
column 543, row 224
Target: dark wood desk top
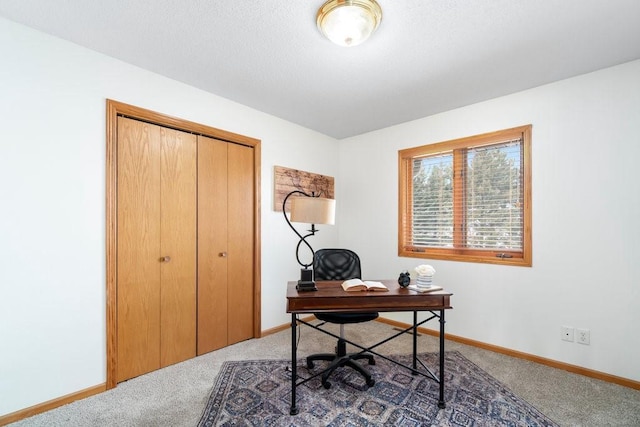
column 330, row 297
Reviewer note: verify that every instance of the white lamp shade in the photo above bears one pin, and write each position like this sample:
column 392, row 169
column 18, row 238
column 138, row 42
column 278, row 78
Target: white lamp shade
column 313, row 210
column 349, row 22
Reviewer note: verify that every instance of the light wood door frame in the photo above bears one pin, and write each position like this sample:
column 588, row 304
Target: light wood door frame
column 115, row 109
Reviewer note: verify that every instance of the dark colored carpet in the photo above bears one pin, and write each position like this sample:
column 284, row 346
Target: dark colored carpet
column 258, row 393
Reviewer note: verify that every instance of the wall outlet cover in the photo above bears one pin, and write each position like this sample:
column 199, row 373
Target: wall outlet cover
column 566, row 333
column 583, row 336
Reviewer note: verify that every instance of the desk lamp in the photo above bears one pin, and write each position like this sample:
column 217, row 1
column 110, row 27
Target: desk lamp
column 309, row 209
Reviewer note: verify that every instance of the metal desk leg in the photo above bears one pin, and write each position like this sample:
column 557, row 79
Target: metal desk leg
column 415, row 341
column 294, row 366
column 441, row 403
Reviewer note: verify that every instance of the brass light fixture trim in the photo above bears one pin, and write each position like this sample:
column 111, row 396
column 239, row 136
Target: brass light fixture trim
column 349, row 22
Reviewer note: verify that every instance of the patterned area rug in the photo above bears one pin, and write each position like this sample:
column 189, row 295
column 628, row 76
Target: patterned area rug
column 258, row 393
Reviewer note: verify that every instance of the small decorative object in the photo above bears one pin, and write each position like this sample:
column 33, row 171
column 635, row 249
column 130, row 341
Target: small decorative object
column 425, row 274
column 404, row 279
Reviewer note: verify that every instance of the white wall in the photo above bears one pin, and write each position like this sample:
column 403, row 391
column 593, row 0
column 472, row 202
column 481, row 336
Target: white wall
column 52, row 204
column 586, row 233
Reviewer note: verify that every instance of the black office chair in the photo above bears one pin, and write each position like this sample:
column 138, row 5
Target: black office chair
column 340, row 264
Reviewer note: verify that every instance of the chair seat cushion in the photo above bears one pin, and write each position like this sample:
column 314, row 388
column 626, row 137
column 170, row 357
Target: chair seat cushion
column 346, row 317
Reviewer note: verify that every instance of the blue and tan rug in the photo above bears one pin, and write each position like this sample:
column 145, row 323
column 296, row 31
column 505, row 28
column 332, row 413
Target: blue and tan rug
column 258, row 393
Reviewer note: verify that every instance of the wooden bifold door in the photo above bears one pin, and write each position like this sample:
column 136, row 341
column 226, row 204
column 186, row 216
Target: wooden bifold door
column 225, row 218
column 184, row 277
column 156, row 247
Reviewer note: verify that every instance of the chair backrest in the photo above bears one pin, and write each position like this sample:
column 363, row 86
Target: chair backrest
column 336, row 264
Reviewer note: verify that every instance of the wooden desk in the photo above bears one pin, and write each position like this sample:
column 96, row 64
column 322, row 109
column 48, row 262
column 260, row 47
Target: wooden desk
column 330, row 297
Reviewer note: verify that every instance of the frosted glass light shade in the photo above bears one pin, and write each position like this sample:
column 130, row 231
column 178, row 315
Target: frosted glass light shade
column 313, row 210
column 349, row 22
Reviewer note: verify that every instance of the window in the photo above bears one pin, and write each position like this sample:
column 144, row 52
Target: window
column 468, row 199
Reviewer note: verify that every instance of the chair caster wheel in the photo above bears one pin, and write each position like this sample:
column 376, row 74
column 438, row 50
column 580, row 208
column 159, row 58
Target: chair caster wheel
column 326, row 385
column 371, row 382
column 309, row 364
column 372, row 362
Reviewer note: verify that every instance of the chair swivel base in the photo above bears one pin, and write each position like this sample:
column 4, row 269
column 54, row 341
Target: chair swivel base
column 340, row 359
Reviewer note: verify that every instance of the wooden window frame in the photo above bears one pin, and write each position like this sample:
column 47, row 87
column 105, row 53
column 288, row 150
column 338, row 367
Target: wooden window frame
column 459, row 252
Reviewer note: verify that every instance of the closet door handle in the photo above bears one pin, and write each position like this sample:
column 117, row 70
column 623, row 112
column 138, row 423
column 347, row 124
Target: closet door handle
column 222, row 254
column 165, row 259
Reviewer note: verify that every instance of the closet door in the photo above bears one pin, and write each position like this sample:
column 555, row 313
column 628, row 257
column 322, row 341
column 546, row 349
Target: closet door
column 138, row 272
column 212, row 244
column 156, row 258
column 225, row 243
column 177, row 246
column 240, row 245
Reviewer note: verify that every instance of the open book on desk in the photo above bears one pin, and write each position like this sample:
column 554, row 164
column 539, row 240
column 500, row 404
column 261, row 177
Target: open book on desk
column 353, row 285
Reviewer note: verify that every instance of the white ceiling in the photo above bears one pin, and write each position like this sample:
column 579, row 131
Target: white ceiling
column 427, row 56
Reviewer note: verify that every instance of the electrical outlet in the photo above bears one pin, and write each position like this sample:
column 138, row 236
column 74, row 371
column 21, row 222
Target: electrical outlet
column 567, row 333
column 583, row 336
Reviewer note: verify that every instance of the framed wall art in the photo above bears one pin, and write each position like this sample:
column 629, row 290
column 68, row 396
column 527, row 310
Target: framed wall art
column 287, row 180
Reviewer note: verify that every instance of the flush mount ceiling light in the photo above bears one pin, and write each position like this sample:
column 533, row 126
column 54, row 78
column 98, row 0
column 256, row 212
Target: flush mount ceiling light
column 349, row 22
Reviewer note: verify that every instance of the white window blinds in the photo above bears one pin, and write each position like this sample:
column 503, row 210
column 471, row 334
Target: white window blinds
column 433, row 201
column 494, row 197
column 490, row 199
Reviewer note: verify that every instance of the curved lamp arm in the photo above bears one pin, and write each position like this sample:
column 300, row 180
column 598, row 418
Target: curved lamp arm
column 302, row 238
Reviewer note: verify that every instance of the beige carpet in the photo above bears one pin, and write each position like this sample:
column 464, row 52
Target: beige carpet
column 177, row 395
